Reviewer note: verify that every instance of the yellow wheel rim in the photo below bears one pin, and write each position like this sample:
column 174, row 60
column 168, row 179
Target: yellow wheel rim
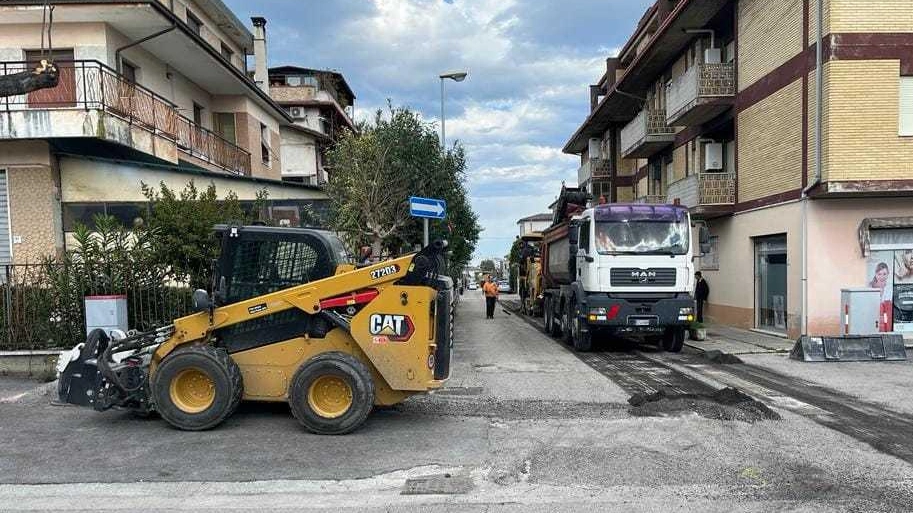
column 192, row 390
column 330, row 396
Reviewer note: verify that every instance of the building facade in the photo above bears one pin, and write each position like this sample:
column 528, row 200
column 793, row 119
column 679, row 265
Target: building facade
column 149, row 92
column 534, row 223
column 322, row 105
column 714, row 104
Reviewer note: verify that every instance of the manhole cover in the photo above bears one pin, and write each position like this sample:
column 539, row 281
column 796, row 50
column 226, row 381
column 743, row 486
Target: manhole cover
column 443, row 484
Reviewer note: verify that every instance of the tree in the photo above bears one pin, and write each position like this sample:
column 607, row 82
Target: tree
column 183, row 223
column 376, row 170
column 487, row 266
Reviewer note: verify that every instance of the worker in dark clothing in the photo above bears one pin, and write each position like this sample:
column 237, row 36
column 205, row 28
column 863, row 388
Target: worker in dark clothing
column 701, row 293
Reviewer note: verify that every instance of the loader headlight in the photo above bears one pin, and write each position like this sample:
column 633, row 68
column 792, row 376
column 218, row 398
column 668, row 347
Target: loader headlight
column 687, row 310
column 597, row 311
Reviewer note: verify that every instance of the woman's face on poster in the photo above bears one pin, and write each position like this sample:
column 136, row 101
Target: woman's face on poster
column 881, row 277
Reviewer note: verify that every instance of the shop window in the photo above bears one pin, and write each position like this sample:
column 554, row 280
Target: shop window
column 81, row 213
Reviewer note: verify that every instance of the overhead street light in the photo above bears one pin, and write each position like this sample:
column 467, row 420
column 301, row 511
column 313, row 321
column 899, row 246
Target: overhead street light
column 456, row 76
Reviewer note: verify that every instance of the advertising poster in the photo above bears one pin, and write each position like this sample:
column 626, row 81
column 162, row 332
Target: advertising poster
column 903, row 291
column 880, row 275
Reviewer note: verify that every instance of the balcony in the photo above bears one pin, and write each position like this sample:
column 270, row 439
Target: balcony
column 593, row 168
column 651, row 199
column 702, row 93
column 646, row 134
column 704, row 193
column 93, row 100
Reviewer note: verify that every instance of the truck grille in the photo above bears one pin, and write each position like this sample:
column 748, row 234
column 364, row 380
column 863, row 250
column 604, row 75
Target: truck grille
column 650, row 277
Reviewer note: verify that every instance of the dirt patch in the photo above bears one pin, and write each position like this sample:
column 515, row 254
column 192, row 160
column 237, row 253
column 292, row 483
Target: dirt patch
column 717, row 356
column 724, row 404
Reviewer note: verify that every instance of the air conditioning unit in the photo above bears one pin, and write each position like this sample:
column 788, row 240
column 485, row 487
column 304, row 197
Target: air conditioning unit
column 594, row 150
column 297, row 112
column 713, row 56
column 713, row 156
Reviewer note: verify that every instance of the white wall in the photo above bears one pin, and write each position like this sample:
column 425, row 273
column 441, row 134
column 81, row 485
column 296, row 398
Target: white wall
column 299, row 153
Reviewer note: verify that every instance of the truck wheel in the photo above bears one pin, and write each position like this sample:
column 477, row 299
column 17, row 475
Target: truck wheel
column 546, row 318
column 332, row 394
column 567, row 317
column 674, row 339
column 196, row 388
column 582, row 340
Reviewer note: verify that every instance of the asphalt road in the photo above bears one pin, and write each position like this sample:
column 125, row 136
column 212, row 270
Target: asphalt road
column 524, row 425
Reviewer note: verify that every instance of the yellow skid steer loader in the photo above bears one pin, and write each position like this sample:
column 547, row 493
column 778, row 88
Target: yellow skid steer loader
column 289, row 320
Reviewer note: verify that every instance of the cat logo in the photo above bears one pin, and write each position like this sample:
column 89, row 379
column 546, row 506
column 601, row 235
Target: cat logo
column 397, row 328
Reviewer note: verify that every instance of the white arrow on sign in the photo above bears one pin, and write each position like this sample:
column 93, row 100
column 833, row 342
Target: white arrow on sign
column 437, row 208
column 427, row 207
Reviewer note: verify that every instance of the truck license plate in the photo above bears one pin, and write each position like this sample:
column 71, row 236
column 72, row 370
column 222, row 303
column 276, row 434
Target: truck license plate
column 641, row 322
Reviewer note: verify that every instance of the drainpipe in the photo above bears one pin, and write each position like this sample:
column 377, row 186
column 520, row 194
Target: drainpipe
column 819, row 114
column 117, row 63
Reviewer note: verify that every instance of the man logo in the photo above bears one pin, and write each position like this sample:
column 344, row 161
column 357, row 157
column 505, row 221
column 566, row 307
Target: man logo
column 643, row 276
column 397, row 328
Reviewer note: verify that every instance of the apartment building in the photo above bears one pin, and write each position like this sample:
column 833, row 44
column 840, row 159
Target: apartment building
column 322, row 104
column 150, row 91
column 534, row 223
column 714, row 104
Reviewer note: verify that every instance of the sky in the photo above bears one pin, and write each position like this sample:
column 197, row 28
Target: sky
column 529, row 64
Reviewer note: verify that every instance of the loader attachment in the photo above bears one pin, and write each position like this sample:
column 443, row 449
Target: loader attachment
column 850, row 348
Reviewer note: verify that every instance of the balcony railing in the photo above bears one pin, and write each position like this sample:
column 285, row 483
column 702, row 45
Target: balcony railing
column 90, row 85
column 652, row 199
column 704, row 189
column 593, row 168
column 701, row 82
column 646, row 134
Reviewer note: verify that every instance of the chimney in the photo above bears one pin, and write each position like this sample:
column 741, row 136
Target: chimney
column 261, row 71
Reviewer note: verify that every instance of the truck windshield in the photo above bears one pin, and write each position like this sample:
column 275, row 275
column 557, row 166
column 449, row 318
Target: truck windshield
column 642, row 237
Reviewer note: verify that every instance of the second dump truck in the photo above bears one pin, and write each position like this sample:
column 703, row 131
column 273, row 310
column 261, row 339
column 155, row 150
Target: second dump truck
column 618, row 269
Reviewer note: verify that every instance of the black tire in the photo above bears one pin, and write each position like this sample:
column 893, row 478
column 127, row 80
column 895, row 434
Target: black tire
column 567, row 317
column 554, row 329
column 339, row 367
column 582, row 340
column 673, row 339
column 221, row 370
column 547, row 317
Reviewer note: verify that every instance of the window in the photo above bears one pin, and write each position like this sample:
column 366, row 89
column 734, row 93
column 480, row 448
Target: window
column 225, row 126
column 129, row 214
column 583, row 241
column 194, row 23
column 264, row 143
column 197, row 114
column 710, row 261
column 905, row 125
column 128, row 71
column 227, row 52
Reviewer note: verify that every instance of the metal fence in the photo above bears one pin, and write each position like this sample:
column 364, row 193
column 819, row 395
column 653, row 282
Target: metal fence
column 42, row 305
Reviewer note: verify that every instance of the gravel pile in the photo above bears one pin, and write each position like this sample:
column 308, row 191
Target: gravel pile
column 724, row 404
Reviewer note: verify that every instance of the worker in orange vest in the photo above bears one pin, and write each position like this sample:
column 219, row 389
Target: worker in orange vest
column 490, row 289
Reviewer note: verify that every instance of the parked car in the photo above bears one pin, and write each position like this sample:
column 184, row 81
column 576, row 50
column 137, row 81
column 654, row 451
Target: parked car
column 503, row 286
column 473, row 286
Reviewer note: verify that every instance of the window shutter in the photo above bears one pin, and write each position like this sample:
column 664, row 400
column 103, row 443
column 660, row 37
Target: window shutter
column 906, row 107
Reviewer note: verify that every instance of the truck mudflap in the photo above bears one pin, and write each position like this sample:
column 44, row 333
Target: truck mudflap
column 103, row 372
column 631, row 314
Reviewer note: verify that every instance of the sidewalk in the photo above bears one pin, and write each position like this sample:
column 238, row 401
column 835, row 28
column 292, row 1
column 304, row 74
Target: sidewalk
column 737, row 341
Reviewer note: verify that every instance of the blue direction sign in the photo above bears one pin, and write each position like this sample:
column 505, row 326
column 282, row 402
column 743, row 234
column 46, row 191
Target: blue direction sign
column 429, row 208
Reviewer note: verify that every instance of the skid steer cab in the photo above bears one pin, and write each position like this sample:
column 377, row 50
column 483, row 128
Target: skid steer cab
column 289, row 319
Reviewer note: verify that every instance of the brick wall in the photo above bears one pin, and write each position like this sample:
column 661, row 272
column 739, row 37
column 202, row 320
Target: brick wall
column 34, row 213
column 868, row 15
column 861, row 121
column 770, row 33
column 770, row 144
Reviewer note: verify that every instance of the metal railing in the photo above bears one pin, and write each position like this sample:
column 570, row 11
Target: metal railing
column 655, row 199
column 648, row 122
column 42, row 305
column 91, row 85
column 703, row 189
column 715, row 80
column 593, row 168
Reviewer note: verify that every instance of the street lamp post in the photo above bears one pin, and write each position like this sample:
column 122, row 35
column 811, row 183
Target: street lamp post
column 456, row 76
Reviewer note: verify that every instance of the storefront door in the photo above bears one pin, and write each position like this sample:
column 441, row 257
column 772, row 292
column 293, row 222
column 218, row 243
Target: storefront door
column 770, row 283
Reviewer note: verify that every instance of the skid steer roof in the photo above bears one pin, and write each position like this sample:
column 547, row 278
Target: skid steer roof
column 257, row 260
